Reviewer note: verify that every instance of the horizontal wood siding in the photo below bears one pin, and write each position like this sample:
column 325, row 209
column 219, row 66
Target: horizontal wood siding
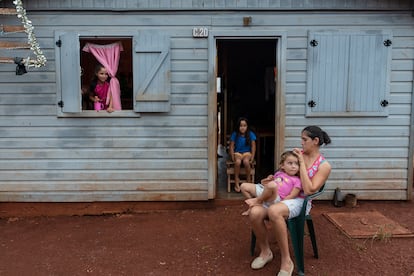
column 153, row 157
column 165, row 156
column 369, row 156
column 218, row 4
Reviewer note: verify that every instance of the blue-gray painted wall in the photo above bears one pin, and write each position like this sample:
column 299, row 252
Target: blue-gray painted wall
column 47, row 155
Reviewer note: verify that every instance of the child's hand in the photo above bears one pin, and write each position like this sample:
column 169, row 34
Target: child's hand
column 96, row 99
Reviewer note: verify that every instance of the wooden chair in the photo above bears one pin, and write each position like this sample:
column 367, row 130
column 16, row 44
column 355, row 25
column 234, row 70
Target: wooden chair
column 242, row 174
column 296, row 228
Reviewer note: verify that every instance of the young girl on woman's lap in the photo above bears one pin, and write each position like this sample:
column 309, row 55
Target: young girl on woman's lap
column 284, row 184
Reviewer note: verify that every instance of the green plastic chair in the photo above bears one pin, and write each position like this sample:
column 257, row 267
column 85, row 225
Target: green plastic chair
column 296, row 228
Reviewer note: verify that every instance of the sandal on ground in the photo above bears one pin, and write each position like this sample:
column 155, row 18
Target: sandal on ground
column 287, row 273
column 260, row 262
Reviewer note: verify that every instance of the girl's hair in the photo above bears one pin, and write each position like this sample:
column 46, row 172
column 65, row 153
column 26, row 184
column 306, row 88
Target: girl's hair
column 285, row 155
column 98, row 68
column 316, row 132
column 247, row 135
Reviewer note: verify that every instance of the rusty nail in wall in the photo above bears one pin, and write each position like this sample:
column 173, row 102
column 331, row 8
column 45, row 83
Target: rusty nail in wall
column 247, row 20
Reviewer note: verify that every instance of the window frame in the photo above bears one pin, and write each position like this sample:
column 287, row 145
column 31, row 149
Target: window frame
column 76, row 64
column 154, row 97
column 347, row 79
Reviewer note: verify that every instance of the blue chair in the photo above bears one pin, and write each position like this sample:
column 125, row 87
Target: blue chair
column 296, row 228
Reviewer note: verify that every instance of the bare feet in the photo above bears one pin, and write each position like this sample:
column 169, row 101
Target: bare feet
column 246, row 213
column 252, row 202
column 237, row 185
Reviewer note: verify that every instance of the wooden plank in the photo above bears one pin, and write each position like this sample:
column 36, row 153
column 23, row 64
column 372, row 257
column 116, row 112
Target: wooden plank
column 369, row 174
column 104, row 175
column 351, row 142
column 402, row 65
column 14, row 45
column 8, row 11
column 386, row 184
column 157, row 163
column 370, row 194
column 189, row 65
column 189, row 77
column 160, row 121
column 102, row 132
column 28, row 88
column 151, row 185
column 6, row 60
column 33, row 77
column 189, row 88
column 102, row 196
column 395, row 98
column 187, row 54
column 125, row 146
column 135, row 150
column 369, row 163
column 12, row 29
column 221, row 5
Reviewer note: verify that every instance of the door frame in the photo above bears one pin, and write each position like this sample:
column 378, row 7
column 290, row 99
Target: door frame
column 214, row 35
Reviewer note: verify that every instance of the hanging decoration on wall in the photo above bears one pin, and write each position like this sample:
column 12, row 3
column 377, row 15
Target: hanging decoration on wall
column 31, row 39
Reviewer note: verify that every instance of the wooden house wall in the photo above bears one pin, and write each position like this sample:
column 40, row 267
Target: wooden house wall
column 166, row 156
column 221, row 4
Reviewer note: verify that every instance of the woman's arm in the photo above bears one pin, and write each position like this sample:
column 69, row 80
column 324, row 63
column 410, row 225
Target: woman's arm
column 312, row 186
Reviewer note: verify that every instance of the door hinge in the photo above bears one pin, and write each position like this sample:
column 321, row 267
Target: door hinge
column 313, row 43
column 311, row 103
column 384, row 103
column 60, row 104
column 387, row 43
column 59, row 43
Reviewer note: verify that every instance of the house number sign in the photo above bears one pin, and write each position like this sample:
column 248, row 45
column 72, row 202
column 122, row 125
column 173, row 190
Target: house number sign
column 200, row 32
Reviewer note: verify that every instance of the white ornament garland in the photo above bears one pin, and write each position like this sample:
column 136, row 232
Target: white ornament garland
column 31, row 38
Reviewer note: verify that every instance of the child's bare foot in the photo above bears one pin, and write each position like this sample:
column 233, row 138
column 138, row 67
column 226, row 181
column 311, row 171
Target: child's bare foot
column 237, row 185
column 246, row 213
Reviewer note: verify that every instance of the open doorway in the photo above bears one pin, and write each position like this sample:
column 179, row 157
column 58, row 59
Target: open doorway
column 247, row 71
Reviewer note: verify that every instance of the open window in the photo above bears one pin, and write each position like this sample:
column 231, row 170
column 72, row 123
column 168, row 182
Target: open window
column 124, row 74
column 348, row 73
column 143, row 72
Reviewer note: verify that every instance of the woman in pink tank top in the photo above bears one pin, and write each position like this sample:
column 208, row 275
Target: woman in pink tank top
column 314, row 171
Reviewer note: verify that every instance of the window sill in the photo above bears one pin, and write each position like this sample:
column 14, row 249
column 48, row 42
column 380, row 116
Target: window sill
column 100, row 114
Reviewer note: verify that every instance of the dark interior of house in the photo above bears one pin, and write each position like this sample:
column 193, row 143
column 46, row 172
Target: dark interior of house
column 247, row 68
column 124, row 74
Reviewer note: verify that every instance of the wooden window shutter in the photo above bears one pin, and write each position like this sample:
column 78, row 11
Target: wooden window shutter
column 348, row 74
column 152, row 72
column 68, row 48
column 369, row 67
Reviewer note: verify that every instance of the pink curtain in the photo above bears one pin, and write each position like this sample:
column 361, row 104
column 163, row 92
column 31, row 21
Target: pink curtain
column 108, row 56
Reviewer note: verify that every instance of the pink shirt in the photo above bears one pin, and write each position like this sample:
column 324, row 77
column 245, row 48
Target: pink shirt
column 101, row 90
column 286, row 183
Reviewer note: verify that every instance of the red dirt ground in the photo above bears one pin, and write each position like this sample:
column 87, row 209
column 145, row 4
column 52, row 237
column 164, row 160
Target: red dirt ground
column 210, row 241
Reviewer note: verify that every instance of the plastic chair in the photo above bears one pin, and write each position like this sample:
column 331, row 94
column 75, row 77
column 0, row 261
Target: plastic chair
column 296, row 228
